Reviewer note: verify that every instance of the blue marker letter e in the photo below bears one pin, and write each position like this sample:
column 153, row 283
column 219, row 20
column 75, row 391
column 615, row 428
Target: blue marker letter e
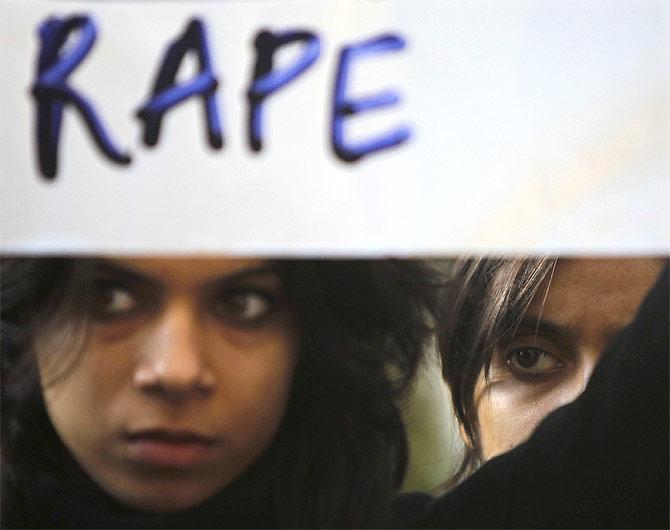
column 344, row 106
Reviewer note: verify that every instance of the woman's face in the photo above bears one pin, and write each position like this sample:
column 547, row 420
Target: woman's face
column 550, row 360
column 183, row 380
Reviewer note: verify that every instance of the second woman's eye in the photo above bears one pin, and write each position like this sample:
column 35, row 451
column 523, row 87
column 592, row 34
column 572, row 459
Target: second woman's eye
column 532, row 361
column 244, row 307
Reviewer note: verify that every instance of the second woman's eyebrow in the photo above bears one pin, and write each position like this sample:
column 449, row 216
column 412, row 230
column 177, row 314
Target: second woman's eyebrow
column 535, row 324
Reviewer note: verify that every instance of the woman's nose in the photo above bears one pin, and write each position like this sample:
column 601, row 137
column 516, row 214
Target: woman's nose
column 588, row 362
column 172, row 359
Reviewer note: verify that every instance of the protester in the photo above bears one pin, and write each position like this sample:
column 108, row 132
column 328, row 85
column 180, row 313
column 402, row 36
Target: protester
column 206, row 392
column 598, row 462
column 521, row 337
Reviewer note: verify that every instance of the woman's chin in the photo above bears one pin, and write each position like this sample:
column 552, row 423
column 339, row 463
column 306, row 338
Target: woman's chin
column 165, row 497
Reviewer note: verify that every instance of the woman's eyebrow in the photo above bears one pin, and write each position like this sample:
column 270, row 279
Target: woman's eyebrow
column 128, row 274
column 535, row 324
column 131, row 275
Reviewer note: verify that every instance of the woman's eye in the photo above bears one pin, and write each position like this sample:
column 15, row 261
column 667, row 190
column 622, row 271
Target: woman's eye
column 114, row 301
column 244, row 307
column 532, row 361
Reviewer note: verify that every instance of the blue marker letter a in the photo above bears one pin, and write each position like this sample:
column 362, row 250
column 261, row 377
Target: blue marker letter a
column 166, row 94
column 52, row 91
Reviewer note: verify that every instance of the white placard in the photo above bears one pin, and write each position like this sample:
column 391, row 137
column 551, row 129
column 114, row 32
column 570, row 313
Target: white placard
column 536, row 126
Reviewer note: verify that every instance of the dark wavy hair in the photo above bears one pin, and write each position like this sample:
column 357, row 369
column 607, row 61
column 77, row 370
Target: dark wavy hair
column 341, row 452
column 484, row 304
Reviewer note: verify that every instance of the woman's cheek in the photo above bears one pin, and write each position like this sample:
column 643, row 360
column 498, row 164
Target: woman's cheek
column 510, row 411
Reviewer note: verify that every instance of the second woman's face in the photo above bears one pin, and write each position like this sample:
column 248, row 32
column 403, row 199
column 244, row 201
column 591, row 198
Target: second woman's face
column 550, row 360
column 183, row 380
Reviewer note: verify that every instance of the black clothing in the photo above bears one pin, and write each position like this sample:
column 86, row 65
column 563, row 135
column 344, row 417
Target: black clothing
column 599, row 462
column 52, row 491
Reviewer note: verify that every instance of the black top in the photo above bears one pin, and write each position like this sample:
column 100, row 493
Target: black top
column 599, row 462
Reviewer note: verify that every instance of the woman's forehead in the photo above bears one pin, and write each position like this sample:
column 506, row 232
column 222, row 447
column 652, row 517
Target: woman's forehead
column 185, row 270
column 583, row 288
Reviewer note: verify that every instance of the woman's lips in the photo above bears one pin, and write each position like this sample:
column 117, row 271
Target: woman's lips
column 170, row 448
